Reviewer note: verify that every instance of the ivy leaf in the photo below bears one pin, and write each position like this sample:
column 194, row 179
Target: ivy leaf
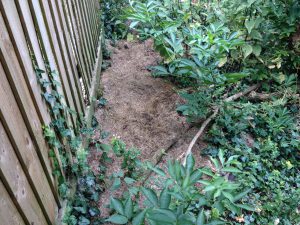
column 102, row 102
column 94, row 211
column 117, row 219
column 83, row 221
column 247, row 50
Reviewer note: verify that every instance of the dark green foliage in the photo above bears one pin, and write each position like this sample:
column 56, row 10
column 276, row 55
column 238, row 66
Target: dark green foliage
column 186, row 198
column 266, row 137
column 114, row 26
column 219, row 48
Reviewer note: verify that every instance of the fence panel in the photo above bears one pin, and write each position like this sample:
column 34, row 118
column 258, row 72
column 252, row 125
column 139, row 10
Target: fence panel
column 63, row 35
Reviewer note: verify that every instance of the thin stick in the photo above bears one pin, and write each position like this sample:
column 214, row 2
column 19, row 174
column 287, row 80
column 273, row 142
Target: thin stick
column 215, row 113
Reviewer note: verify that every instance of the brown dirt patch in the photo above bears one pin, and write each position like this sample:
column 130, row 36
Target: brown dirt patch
column 141, row 110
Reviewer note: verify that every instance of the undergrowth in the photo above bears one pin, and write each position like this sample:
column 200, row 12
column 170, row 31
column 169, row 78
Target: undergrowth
column 216, row 49
column 213, row 49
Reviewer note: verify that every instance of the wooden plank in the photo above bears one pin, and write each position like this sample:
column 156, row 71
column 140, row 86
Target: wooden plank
column 73, row 29
column 45, row 42
column 33, row 42
column 71, row 54
column 8, row 212
column 81, row 45
column 86, row 17
column 39, row 8
column 17, row 183
column 96, row 82
column 23, row 144
column 62, row 43
column 98, row 24
column 19, row 87
column 82, row 32
column 10, row 14
column 92, row 24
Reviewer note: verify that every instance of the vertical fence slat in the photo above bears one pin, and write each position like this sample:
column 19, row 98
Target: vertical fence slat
column 64, row 55
column 70, row 53
column 83, row 37
column 8, row 212
column 24, row 147
column 86, row 19
column 9, row 12
column 91, row 25
column 18, row 84
column 98, row 24
column 49, row 23
column 83, row 66
column 33, row 41
column 45, row 41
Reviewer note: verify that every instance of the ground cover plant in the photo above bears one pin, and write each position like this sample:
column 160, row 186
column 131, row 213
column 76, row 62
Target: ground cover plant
column 217, row 49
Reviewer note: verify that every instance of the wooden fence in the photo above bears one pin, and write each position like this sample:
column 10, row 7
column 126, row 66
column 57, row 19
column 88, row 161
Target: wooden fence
column 64, row 35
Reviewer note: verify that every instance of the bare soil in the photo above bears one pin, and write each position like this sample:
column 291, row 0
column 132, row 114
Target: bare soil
column 141, row 110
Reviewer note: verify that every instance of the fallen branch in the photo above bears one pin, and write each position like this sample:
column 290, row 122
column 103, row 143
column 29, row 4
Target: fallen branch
column 263, row 96
column 213, row 115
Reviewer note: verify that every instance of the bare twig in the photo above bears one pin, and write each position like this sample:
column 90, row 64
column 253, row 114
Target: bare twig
column 213, row 115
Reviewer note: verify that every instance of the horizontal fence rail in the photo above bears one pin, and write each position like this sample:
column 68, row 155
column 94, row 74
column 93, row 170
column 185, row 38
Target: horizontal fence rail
column 61, row 37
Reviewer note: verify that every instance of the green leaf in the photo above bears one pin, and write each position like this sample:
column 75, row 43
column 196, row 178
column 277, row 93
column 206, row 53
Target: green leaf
column 139, row 218
column 231, row 169
column 164, row 199
column 190, row 163
column 195, row 176
column 134, row 24
column 105, row 147
column 249, row 25
column 117, row 184
column 162, row 215
column 156, row 169
column 222, row 62
column 150, row 195
column 221, row 157
column 256, row 50
column 128, row 208
column 228, row 195
column 246, row 207
column 201, row 218
column 117, row 205
column 117, row 219
column 129, row 180
column 216, row 222
column 247, row 50
column 241, row 195
column 171, row 169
